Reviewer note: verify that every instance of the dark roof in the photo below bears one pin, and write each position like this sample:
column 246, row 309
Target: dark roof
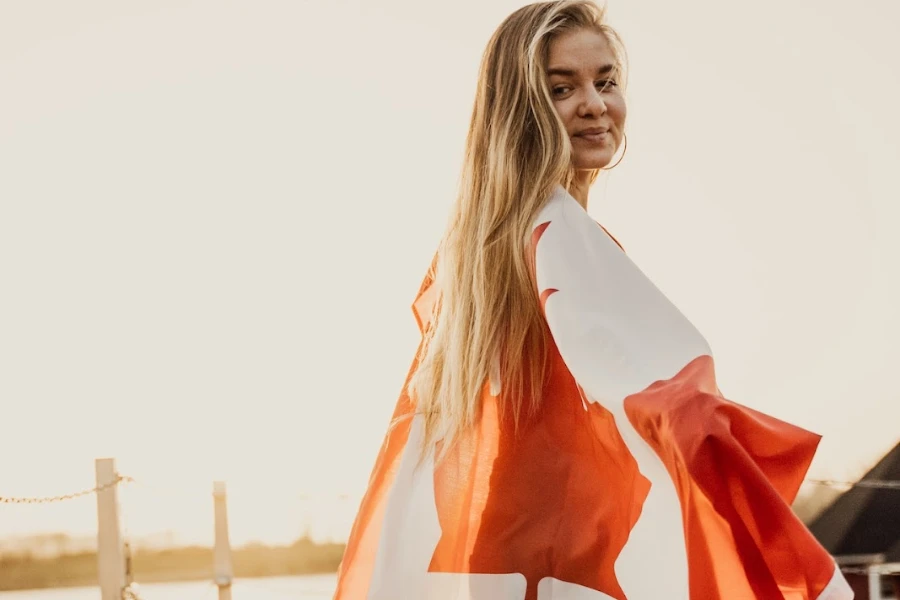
column 865, row 520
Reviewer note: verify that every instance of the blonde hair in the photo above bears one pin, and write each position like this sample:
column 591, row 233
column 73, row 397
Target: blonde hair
column 487, row 316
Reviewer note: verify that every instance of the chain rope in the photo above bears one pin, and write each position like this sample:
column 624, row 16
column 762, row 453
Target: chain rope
column 862, row 483
column 49, row 499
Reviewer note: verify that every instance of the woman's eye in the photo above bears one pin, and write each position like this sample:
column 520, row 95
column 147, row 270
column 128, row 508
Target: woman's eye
column 602, row 85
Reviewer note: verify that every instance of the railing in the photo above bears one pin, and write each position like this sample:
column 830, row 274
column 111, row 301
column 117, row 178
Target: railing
column 115, row 576
column 114, row 566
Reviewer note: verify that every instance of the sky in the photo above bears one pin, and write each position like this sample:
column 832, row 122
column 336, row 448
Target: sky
column 214, row 217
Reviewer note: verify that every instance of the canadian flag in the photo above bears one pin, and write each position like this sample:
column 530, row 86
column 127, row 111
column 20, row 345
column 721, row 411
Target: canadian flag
column 638, row 481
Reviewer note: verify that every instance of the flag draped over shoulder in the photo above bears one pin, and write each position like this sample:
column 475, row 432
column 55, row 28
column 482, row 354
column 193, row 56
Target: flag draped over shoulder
column 638, row 480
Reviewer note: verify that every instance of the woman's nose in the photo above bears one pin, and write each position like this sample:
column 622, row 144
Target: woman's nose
column 592, row 103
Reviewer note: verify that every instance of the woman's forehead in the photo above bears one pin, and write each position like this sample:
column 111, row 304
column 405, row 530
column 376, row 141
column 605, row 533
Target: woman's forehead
column 582, row 51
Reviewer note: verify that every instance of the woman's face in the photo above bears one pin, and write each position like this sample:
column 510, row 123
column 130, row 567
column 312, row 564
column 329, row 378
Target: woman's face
column 583, row 81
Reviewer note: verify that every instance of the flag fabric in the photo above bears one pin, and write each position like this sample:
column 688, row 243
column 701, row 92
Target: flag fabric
column 638, row 480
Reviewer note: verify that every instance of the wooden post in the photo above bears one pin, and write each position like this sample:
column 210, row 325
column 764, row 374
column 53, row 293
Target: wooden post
column 222, row 549
column 110, row 549
column 875, row 582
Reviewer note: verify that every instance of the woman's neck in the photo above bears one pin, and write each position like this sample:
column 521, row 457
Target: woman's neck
column 580, row 187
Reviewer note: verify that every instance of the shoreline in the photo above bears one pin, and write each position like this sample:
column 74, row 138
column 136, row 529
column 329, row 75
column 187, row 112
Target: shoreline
column 22, row 572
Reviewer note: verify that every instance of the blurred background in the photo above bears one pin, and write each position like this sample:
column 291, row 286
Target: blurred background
column 214, row 217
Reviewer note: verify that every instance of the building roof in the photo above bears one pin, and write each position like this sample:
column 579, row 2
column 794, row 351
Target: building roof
column 865, row 520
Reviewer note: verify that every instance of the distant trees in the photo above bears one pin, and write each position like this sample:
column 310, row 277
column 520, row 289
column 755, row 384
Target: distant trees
column 25, row 570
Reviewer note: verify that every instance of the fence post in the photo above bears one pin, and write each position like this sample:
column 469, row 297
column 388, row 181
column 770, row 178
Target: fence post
column 222, row 549
column 874, row 582
column 110, row 548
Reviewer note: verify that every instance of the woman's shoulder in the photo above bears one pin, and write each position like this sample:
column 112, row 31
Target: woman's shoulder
column 560, row 204
column 563, row 209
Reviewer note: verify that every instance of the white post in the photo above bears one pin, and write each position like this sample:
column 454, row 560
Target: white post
column 875, row 582
column 110, row 549
column 222, row 549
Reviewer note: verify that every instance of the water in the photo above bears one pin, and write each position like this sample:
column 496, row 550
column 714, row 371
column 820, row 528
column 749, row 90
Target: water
column 307, row 587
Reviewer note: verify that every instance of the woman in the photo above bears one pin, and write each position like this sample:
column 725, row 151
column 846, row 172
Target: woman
column 561, row 435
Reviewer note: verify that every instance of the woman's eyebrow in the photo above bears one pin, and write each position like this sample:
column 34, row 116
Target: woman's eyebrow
column 571, row 72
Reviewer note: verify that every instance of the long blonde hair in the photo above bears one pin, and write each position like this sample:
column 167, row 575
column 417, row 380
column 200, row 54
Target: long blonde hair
column 487, row 316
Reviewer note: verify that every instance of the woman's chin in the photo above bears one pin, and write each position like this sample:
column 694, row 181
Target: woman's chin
column 597, row 161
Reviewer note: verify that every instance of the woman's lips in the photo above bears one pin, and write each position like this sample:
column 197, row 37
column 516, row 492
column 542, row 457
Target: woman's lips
column 593, row 137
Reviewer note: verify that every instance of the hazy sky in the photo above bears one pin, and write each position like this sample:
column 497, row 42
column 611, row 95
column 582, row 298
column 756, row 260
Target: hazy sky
column 214, row 217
